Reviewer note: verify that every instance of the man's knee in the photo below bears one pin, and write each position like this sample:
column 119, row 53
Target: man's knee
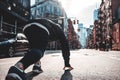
column 36, row 54
column 33, row 56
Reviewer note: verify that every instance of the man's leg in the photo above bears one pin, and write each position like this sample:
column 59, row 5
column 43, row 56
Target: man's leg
column 33, row 56
column 38, row 39
column 17, row 71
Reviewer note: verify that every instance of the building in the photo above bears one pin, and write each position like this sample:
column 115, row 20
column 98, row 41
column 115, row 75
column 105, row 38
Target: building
column 13, row 15
column 82, row 35
column 51, row 9
column 102, row 26
column 96, row 35
column 95, row 14
column 115, row 24
column 107, row 27
column 73, row 37
column 89, row 40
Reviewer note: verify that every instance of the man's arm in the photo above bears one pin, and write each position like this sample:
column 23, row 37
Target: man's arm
column 58, row 34
column 65, row 48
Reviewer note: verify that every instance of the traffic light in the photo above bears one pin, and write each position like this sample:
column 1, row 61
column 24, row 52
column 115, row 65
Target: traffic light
column 77, row 21
column 74, row 22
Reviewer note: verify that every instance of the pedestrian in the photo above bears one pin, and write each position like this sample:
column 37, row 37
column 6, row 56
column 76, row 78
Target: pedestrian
column 39, row 32
column 107, row 44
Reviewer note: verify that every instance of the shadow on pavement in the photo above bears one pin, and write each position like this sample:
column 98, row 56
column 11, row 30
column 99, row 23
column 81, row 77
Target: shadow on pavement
column 30, row 75
column 67, row 76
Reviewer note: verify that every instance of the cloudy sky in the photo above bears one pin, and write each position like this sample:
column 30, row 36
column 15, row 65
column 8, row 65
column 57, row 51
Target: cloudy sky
column 81, row 9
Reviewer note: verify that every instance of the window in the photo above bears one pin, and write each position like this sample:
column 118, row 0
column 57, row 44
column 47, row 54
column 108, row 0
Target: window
column 118, row 12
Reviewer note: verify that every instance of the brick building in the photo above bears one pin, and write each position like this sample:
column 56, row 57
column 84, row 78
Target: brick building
column 107, row 27
column 116, row 24
column 72, row 36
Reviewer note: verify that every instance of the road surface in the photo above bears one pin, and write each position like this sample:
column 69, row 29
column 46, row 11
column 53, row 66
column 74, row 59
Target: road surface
column 88, row 65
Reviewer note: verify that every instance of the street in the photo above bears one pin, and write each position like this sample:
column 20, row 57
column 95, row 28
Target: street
column 88, row 64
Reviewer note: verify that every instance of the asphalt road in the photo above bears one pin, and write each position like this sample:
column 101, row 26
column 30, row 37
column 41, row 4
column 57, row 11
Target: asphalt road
column 88, row 65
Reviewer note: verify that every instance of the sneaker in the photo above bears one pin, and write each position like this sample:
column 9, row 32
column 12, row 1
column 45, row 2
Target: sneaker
column 15, row 73
column 68, row 68
column 37, row 69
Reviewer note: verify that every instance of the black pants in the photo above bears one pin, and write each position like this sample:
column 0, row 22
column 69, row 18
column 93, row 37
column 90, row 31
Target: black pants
column 38, row 40
column 32, row 57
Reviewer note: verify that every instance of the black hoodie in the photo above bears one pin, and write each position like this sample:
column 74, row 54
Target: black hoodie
column 40, row 31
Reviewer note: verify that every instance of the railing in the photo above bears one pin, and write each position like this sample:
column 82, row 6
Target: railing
column 6, row 27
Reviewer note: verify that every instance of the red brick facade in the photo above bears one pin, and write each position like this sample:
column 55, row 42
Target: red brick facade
column 106, row 29
column 72, row 36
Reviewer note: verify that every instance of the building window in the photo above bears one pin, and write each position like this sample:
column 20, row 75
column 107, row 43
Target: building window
column 118, row 12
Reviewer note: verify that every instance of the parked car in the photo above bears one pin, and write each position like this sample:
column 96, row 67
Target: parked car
column 14, row 45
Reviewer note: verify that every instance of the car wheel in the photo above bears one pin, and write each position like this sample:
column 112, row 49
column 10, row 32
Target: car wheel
column 11, row 52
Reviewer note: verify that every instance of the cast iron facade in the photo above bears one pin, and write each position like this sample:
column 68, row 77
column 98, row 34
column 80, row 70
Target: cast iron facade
column 107, row 28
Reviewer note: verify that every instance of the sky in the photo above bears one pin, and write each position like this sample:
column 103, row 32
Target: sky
column 80, row 9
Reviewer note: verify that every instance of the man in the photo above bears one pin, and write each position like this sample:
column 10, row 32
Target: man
column 39, row 32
